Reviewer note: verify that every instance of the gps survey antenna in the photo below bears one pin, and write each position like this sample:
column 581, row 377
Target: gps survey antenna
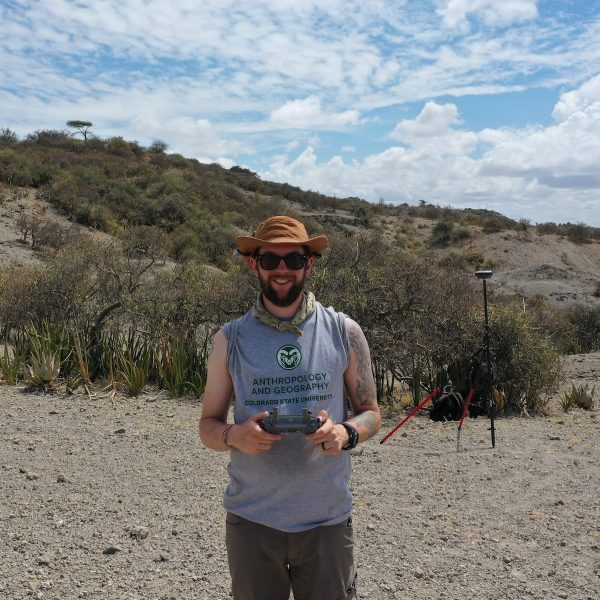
column 488, row 396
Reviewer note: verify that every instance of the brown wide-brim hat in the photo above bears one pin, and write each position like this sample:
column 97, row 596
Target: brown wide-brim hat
column 279, row 230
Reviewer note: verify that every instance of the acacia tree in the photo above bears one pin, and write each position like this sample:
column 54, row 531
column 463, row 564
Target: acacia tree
column 8, row 137
column 158, row 147
column 82, row 127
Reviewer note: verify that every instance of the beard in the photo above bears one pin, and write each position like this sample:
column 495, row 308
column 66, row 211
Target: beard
column 289, row 298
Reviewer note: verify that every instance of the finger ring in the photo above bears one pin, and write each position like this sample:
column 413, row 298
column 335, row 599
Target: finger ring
column 323, row 445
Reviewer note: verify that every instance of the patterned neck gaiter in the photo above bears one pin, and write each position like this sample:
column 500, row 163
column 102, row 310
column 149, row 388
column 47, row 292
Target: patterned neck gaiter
column 307, row 308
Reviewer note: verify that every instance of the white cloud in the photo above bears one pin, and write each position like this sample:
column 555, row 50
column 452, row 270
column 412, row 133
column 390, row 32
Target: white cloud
column 432, row 131
column 456, row 12
column 307, row 114
column 259, row 55
column 299, row 42
column 578, row 100
column 565, row 155
column 541, row 173
column 194, row 137
column 398, row 175
column 433, row 121
column 269, row 53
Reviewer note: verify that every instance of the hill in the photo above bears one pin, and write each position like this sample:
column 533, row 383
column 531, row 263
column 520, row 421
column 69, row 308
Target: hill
column 53, row 182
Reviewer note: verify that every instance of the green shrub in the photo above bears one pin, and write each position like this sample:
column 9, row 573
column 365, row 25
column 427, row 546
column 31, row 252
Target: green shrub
column 44, row 368
column 442, row 232
column 547, row 317
column 454, row 260
column 158, row 147
column 172, row 366
column 579, row 234
column 429, row 211
column 14, row 169
column 49, row 351
column 476, row 260
column 494, row 224
column 567, row 401
column 183, row 367
column 54, row 138
column 461, row 233
column 547, row 228
column 95, row 145
column 527, row 365
column 134, row 360
column 585, row 323
column 580, row 396
column 118, row 146
column 8, row 137
column 82, row 356
column 400, row 241
column 133, row 376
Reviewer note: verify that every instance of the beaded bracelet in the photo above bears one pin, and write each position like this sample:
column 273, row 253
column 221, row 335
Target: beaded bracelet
column 224, row 435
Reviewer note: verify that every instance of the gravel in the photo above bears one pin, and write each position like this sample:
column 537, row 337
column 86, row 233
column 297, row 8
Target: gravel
column 104, row 498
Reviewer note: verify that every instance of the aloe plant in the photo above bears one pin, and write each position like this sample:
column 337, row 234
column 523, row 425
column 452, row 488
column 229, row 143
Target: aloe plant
column 567, row 402
column 580, row 396
column 55, row 337
column 44, row 369
column 49, row 349
column 82, row 360
column 10, row 365
column 198, row 368
column 135, row 346
column 134, row 358
column 132, row 376
column 22, row 342
column 172, row 366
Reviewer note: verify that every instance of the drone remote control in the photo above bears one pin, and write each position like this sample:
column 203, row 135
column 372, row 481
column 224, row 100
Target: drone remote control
column 304, row 423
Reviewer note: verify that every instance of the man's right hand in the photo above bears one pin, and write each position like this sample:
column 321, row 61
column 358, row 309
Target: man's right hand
column 250, row 438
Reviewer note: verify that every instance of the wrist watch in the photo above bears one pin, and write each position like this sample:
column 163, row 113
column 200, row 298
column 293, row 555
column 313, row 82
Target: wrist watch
column 352, row 437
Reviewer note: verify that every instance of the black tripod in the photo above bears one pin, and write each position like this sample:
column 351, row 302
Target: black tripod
column 487, row 394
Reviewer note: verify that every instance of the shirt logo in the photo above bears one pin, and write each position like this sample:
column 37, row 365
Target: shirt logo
column 289, row 357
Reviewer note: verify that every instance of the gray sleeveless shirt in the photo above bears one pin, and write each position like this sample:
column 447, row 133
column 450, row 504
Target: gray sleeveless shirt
column 292, row 487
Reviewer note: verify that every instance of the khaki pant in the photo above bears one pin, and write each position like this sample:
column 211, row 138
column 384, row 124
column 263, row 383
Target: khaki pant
column 266, row 563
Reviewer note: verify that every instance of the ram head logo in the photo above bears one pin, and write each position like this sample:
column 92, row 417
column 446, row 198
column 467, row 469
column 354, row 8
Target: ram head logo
column 289, row 357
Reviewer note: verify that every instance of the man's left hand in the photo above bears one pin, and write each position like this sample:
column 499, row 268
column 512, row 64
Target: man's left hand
column 330, row 438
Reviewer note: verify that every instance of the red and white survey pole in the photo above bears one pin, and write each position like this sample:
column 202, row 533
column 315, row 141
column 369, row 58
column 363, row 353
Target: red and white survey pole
column 415, row 410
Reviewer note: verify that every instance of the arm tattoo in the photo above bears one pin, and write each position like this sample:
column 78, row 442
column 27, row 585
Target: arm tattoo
column 361, row 387
column 365, row 387
column 368, row 421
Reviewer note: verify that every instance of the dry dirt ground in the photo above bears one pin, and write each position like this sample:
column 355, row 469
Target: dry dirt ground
column 121, row 501
column 528, row 263
column 12, row 204
column 23, row 201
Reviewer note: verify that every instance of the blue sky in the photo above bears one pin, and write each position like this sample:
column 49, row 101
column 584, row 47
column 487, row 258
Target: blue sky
column 483, row 103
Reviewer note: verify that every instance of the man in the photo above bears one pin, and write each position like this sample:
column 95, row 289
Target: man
column 288, row 502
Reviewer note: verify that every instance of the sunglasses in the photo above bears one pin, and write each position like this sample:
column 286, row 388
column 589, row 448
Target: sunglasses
column 293, row 261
